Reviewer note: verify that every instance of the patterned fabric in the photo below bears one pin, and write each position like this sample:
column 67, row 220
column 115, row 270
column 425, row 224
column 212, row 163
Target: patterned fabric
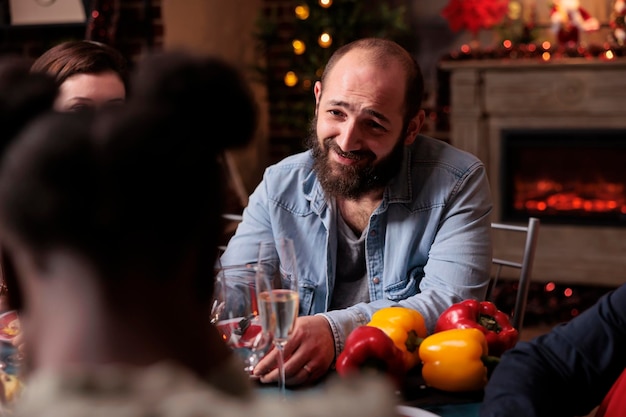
column 166, row 390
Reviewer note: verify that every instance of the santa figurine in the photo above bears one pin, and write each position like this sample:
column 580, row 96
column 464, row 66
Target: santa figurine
column 618, row 23
column 569, row 19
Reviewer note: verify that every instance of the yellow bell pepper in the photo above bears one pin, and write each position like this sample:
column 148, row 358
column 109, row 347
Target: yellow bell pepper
column 452, row 360
column 407, row 329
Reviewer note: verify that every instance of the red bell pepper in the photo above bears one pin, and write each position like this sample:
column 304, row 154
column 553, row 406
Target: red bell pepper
column 484, row 316
column 370, row 348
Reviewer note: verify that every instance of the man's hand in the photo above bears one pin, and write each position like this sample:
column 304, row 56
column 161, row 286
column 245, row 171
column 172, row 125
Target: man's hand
column 308, row 353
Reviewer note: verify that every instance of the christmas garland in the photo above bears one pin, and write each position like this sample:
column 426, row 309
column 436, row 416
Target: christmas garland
column 545, row 52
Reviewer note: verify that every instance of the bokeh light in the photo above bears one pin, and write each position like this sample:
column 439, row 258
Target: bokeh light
column 325, row 40
column 302, row 12
column 291, row 79
column 298, row 46
column 515, row 10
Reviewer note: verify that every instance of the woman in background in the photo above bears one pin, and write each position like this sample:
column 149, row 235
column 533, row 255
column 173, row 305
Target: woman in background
column 89, row 75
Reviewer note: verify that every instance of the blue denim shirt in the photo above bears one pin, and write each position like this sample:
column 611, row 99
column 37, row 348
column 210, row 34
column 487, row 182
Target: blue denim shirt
column 428, row 244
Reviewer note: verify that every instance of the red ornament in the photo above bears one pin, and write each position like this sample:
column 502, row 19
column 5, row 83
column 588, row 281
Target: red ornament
column 474, row 15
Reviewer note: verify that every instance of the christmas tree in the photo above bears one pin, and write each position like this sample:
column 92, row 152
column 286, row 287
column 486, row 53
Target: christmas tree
column 296, row 39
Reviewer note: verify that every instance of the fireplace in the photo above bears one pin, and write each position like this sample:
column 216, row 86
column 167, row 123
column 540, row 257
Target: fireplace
column 552, row 136
column 564, row 176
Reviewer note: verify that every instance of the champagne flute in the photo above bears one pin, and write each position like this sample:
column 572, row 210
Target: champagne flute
column 277, row 284
column 235, row 313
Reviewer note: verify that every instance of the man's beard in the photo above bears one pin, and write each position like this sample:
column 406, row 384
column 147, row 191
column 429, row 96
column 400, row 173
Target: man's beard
column 352, row 181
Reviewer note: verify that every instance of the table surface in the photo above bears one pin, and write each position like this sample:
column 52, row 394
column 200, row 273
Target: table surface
column 415, row 393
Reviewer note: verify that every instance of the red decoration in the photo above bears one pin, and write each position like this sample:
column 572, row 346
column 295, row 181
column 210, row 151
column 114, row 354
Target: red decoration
column 474, row 15
column 569, row 19
column 102, row 21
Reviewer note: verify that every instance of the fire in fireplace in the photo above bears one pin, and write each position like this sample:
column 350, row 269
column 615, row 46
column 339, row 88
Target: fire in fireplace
column 565, row 176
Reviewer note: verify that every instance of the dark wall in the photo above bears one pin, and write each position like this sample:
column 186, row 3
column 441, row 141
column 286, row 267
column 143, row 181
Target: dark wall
column 132, row 26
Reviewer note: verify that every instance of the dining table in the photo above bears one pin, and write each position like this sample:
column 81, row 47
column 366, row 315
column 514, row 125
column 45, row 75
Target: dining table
column 414, row 394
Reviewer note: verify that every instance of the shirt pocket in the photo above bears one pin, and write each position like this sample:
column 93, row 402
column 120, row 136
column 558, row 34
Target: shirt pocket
column 307, row 298
column 405, row 288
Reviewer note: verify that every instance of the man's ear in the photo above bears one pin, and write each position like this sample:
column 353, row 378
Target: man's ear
column 414, row 127
column 317, row 90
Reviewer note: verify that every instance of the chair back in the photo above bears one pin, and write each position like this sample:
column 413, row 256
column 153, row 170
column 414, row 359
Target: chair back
column 231, row 221
column 523, row 264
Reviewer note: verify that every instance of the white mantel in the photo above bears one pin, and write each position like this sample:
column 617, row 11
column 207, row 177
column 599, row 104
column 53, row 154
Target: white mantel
column 490, row 95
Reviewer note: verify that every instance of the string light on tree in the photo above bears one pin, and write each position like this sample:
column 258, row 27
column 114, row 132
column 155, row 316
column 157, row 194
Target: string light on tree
column 302, row 12
column 291, row 79
column 325, row 40
column 298, row 47
column 325, row 3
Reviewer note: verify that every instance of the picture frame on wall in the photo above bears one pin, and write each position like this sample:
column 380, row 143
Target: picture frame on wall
column 45, row 12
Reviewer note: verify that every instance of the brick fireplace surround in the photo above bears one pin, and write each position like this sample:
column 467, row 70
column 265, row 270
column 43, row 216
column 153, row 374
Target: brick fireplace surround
column 488, row 96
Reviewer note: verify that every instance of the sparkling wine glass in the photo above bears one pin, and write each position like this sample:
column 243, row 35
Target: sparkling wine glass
column 235, row 313
column 277, row 285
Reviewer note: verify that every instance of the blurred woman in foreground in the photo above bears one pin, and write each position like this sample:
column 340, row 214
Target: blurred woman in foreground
column 111, row 220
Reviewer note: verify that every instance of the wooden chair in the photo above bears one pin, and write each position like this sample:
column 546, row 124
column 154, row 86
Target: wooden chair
column 523, row 265
column 236, row 198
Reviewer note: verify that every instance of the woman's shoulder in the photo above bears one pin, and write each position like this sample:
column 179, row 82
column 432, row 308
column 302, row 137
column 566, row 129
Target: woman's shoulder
column 171, row 391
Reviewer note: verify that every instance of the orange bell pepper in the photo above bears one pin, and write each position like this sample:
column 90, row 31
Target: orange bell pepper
column 406, row 327
column 452, row 360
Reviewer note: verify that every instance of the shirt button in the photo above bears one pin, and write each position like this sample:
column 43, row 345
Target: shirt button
column 376, row 280
column 373, row 233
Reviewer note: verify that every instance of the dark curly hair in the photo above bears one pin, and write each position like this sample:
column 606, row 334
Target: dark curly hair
column 134, row 190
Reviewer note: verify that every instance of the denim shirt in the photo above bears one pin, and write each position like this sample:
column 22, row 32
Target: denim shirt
column 428, row 244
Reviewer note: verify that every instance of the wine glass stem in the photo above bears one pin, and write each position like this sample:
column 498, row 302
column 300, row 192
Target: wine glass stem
column 281, row 371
